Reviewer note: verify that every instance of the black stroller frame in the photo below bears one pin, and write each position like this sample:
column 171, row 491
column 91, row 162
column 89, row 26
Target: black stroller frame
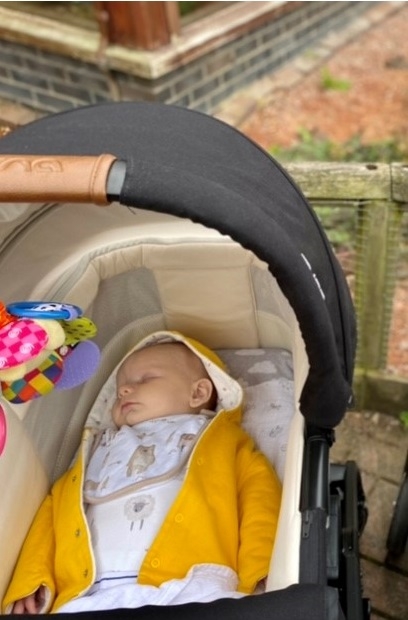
column 173, row 160
column 398, row 531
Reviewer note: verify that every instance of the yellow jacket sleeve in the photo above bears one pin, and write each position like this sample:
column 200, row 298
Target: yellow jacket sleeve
column 36, row 561
column 259, row 503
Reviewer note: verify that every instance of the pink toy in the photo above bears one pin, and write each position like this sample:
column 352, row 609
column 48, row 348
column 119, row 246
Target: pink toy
column 21, row 341
column 3, row 430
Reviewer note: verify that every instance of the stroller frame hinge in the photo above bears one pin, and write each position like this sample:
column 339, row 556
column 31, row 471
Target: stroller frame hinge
column 307, row 518
column 315, row 475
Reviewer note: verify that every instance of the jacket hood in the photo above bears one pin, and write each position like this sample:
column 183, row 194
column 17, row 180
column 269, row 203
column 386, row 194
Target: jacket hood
column 229, row 391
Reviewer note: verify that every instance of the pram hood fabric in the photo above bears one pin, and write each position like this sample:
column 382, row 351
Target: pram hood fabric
column 187, row 164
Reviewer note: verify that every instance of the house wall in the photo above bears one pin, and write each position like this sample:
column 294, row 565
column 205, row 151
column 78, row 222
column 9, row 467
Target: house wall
column 52, row 82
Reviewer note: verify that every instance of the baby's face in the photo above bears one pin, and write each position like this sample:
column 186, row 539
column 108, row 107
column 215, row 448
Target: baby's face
column 151, row 383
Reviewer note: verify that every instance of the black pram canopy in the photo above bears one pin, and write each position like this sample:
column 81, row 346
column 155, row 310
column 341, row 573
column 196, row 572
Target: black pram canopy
column 188, row 164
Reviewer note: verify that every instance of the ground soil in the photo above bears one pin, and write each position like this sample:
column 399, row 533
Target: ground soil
column 370, row 102
column 374, row 105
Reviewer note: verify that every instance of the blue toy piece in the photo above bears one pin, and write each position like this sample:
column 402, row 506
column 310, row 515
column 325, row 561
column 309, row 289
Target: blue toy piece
column 44, row 310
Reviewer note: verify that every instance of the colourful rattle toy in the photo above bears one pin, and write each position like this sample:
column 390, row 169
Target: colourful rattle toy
column 43, row 345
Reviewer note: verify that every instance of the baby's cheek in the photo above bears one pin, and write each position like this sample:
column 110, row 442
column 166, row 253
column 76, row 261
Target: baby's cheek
column 115, row 409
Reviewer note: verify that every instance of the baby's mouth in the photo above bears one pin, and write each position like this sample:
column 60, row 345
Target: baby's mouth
column 126, row 407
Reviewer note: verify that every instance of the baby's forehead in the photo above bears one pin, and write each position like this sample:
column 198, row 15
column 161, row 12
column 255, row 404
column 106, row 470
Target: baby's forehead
column 158, row 353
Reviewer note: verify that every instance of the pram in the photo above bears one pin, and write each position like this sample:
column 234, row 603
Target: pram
column 214, row 240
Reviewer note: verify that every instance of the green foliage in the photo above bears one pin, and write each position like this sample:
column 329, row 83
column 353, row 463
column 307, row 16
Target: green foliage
column 188, row 7
column 312, row 148
column 330, row 82
column 404, row 419
column 338, row 222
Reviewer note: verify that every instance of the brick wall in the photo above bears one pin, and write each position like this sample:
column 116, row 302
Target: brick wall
column 52, row 83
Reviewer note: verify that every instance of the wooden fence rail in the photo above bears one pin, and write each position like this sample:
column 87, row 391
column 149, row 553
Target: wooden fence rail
column 379, row 194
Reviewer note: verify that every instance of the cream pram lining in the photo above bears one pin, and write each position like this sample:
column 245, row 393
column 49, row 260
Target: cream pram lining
column 135, row 272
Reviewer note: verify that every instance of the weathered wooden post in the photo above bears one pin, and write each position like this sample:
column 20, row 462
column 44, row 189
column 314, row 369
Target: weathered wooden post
column 378, row 238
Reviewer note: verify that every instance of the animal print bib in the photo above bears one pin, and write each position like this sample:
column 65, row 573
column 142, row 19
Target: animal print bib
column 129, row 459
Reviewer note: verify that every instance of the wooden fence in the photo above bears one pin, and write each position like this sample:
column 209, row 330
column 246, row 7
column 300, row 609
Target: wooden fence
column 378, row 194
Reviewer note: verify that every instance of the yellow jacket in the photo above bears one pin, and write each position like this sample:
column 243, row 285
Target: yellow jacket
column 225, row 513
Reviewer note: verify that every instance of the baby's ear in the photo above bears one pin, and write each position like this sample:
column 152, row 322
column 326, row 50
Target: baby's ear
column 201, row 393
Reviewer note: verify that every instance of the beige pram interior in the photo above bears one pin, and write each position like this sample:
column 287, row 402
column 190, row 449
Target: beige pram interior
column 128, row 271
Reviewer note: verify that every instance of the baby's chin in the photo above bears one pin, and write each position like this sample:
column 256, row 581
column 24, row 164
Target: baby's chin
column 134, row 417
column 131, row 419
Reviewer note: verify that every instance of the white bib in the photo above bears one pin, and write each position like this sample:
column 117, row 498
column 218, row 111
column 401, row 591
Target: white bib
column 132, row 457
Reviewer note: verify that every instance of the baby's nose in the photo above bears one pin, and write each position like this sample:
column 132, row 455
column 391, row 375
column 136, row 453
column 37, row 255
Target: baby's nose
column 126, row 388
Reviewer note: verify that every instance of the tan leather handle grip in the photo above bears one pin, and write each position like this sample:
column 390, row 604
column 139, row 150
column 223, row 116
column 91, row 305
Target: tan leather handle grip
column 54, row 178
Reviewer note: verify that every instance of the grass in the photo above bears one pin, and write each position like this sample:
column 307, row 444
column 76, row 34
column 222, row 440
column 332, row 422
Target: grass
column 330, row 82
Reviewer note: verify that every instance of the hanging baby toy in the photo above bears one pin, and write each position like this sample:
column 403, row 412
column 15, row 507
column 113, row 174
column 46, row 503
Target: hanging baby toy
column 44, row 345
